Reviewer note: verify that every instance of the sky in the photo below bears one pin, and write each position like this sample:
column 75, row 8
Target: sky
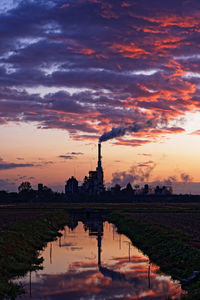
column 124, row 71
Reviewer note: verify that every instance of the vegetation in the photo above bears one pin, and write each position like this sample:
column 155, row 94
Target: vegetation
column 168, row 233
column 171, row 250
column 19, row 249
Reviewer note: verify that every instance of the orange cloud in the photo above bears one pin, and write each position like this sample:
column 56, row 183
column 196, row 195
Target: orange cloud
column 130, row 51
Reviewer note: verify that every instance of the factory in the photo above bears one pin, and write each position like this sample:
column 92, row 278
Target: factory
column 93, row 184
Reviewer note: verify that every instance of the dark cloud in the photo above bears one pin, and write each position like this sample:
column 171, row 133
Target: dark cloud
column 70, row 155
column 66, row 156
column 7, row 166
column 25, row 178
column 77, row 153
column 125, row 61
column 7, row 185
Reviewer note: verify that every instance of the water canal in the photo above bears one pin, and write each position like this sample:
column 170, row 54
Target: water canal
column 93, row 261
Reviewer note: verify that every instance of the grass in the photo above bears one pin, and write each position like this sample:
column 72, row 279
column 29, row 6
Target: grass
column 19, row 249
column 169, row 249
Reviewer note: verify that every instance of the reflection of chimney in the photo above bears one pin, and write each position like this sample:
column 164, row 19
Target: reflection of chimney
column 51, row 253
column 149, row 276
column 99, row 248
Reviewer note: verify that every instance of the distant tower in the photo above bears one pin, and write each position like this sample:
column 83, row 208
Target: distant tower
column 71, row 186
column 40, row 187
column 99, row 171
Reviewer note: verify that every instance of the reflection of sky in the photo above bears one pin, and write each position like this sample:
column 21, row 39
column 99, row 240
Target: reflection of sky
column 71, row 270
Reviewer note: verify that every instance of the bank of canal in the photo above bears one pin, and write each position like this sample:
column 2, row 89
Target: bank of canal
column 172, row 251
column 19, row 249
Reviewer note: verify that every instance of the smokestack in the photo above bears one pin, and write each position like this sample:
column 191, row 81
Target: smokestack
column 99, row 155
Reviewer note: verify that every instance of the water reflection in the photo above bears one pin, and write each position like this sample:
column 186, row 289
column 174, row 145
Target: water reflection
column 92, row 261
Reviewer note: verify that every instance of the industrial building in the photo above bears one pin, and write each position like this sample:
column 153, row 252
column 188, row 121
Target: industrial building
column 93, row 184
column 71, row 186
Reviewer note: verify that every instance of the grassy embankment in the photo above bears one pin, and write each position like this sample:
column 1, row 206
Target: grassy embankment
column 172, row 250
column 20, row 245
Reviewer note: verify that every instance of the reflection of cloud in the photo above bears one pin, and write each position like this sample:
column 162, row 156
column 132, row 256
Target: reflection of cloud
column 135, row 259
column 76, row 248
column 84, row 284
column 68, row 244
column 83, row 265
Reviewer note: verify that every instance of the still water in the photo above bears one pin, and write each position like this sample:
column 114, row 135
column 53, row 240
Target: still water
column 93, row 261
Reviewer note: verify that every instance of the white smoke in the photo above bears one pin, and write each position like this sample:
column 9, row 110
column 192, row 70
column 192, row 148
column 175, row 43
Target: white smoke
column 139, row 173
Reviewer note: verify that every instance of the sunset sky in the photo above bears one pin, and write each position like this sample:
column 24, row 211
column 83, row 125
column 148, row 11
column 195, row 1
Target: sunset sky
column 72, row 70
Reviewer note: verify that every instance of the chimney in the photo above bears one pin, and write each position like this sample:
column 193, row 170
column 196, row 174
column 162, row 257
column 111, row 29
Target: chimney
column 99, row 155
column 99, row 171
column 99, row 151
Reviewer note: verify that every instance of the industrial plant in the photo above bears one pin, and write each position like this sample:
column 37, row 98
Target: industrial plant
column 93, row 184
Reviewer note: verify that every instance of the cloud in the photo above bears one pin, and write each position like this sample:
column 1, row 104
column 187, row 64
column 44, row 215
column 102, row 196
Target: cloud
column 26, row 177
column 66, row 156
column 132, row 63
column 7, row 185
column 144, row 154
column 181, row 181
column 77, row 153
column 185, row 177
column 70, row 155
column 138, row 173
column 7, row 166
column 196, row 132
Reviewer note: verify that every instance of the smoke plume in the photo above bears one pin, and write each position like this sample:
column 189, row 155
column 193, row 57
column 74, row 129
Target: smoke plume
column 137, row 174
column 120, row 131
column 186, row 177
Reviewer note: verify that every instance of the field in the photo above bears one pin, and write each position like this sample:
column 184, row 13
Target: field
column 168, row 234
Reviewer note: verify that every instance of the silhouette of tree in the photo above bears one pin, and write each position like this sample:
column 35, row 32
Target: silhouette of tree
column 157, row 190
column 25, row 187
column 26, row 193
column 117, row 188
column 146, row 189
column 129, row 187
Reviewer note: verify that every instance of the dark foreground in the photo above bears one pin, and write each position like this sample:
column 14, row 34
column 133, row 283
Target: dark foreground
column 168, row 234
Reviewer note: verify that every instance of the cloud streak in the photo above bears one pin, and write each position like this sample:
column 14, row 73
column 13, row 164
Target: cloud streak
column 8, row 166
